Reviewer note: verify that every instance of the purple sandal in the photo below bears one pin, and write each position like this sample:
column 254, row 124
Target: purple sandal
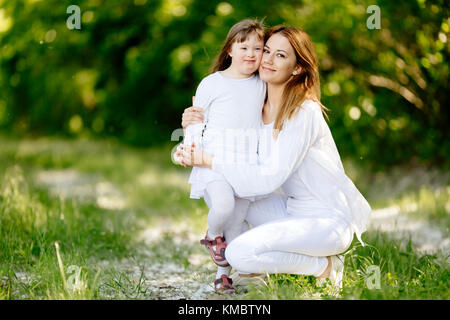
column 218, row 255
column 224, row 285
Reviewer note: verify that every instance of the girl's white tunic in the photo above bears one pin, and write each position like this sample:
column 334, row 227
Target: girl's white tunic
column 233, row 109
column 305, row 163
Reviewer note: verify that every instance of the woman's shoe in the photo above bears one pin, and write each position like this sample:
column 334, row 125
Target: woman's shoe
column 336, row 274
column 217, row 253
column 242, row 279
column 224, row 285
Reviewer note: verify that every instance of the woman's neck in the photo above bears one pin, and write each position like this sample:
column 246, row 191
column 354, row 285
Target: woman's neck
column 273, row 104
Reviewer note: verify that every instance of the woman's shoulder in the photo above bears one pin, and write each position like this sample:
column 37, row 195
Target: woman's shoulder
column 311, row 105
column 309, row 109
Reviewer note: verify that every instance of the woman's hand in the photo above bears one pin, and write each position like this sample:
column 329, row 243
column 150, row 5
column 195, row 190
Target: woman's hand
column 191, row 115
column 192, row 156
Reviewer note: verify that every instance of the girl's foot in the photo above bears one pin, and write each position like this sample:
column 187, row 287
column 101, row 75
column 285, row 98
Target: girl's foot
column 224, row 285
column 216, row 249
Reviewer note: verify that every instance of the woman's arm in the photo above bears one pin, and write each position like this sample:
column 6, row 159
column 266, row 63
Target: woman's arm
column 287, row 153
column 191, row 115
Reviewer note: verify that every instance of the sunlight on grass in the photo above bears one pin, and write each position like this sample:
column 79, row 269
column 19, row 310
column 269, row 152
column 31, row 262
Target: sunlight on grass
column 128, row 230
column 73, row 192
column 433, row 205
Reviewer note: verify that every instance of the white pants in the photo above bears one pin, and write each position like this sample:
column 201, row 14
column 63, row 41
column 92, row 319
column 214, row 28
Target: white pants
column 226, row 212
column 282, row 242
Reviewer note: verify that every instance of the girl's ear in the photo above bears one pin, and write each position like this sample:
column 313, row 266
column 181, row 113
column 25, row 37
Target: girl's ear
column 229, row 50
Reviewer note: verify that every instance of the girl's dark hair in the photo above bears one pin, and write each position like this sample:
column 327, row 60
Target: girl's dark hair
column 238, row 33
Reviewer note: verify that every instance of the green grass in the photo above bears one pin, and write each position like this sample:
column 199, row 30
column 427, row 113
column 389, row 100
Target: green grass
column 104, row 248
column 403, row 275
column 31, row 222
column 32, row 219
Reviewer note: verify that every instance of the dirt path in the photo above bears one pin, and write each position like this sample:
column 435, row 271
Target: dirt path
column 164, row 279
column 159, row 279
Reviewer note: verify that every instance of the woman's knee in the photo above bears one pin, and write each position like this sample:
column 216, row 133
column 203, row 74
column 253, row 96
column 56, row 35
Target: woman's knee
column 344, row 239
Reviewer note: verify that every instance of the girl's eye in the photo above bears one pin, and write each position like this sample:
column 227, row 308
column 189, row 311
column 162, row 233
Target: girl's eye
column 281, row 55
column 258, row 49
column 244, row 48
column 266, row 51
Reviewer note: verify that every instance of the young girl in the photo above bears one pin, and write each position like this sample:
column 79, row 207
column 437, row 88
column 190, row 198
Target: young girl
column 232, row 97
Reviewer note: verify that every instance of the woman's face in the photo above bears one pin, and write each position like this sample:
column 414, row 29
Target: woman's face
column 278, row 62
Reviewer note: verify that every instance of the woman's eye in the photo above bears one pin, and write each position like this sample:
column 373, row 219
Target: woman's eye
column 281, row 55
column 266, row 51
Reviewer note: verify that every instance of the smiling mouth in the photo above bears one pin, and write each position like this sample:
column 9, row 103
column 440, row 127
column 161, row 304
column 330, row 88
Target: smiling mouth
column 267, row 69
column 251, row 61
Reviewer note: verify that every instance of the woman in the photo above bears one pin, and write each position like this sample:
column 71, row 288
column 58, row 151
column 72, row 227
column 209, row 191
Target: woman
column 305, row 233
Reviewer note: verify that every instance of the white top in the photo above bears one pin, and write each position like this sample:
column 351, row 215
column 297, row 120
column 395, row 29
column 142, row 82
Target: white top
column 232, row 118
column 304, row 162
column 231, row 106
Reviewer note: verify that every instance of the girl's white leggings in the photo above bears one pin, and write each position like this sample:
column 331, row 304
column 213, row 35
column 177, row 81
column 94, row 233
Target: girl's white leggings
column 226, row 213
column 282, row 242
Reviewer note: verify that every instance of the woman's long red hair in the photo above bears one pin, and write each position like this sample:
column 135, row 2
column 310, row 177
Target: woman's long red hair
column 304, row 85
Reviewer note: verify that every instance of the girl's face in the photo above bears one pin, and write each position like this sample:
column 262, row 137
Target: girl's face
column 246, row 56
column 278, row 63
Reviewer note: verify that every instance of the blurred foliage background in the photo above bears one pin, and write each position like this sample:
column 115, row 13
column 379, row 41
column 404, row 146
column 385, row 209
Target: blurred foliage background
column 134, row 65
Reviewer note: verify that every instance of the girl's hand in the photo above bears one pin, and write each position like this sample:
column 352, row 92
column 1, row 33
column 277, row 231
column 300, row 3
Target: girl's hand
column 196, row 157
column 191, row 115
